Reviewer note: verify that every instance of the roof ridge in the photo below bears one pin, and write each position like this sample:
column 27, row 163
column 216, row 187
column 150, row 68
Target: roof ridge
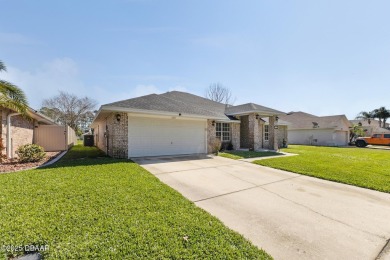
column 182, row 92
column 187, row 104
column 108, row 104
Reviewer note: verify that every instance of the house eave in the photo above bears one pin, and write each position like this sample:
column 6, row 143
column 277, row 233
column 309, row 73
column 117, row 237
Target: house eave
column 153, row 112
column 40, row 117
column 228, row 121
column 323, row 128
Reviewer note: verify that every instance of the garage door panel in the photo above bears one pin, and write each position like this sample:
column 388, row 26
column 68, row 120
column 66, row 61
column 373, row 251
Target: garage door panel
column 156, row 136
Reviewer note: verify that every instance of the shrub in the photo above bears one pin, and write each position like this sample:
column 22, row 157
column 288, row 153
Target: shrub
column 2, row 156
column 30, row 153
column 226, row 146
column 216, row 145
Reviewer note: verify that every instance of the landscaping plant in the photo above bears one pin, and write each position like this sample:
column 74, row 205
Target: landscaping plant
column 2, row 156
column 30, row 153
column 216, row 145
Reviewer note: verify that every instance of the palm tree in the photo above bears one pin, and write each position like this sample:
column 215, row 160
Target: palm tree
column 382, row 114
column 366, row 116
column 11, row 96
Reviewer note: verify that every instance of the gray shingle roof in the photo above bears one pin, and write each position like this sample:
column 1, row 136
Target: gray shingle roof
column 175, row 102
column 185, row 103
column 301, row 120
column 251, row 108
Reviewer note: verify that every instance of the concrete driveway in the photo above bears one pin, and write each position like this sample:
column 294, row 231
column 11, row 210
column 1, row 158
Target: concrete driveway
column 291, row 216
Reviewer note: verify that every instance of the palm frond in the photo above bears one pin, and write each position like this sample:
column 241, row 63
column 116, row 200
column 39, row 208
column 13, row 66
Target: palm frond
column 13, row 92
column 2, row 66
column 13, row 97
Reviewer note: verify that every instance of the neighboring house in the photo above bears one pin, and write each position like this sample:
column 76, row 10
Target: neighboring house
column 309, row 129
column 177, row 123
column 371, row 127
column 16, row 130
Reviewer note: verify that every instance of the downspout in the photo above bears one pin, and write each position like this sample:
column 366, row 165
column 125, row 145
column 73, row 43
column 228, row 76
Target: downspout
column 9, row 134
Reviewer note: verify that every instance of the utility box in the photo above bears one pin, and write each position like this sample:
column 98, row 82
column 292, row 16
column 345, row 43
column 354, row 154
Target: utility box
column 88, row 140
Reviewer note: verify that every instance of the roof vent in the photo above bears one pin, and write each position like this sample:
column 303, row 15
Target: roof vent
column 315, row 125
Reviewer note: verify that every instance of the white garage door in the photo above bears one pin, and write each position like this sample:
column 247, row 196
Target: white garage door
column 156, row 136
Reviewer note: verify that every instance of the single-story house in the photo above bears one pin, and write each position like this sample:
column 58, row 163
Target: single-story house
column 307, row 129
column 371, row 127
column 16, row 130
column 176, row 123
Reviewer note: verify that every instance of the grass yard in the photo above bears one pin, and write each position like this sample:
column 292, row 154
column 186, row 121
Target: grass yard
column 367, row 168
column 236, row 155
column 82, row 152
column 102, row 208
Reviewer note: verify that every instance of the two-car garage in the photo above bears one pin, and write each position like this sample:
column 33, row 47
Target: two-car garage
column 156, row 136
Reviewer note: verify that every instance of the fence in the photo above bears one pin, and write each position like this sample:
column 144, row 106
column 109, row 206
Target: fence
column 54, row 137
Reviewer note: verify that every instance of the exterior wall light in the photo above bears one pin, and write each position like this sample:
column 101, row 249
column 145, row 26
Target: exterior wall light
column 257, row 116
column 276, row 118
column 213, row 123
column 118, row 117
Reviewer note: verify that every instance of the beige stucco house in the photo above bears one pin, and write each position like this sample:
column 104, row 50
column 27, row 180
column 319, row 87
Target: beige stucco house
column 307, row 129
column 176, row 123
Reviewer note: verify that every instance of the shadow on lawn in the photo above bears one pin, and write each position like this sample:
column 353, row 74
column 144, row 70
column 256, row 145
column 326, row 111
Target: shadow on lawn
column 86, row 162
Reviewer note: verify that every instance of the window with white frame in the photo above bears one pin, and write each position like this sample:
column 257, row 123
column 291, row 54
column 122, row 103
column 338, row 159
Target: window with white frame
column 266, row 132
column 223, row 131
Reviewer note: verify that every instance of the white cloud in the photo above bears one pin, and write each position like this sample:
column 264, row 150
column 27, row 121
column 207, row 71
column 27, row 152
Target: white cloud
column 63, row 74
column 44, row 82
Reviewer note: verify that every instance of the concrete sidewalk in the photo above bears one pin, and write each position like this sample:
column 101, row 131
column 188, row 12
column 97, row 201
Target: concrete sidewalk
column 291, row 216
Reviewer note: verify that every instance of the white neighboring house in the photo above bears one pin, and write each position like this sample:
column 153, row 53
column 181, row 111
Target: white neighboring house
column 307, row 129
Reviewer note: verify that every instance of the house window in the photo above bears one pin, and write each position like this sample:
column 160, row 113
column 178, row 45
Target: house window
column 223, row 131
column 266, row 132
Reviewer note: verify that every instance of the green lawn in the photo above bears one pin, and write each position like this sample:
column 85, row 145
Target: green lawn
column 102, row 208
column 82, row 152
column 367, row 168
column 236, row 155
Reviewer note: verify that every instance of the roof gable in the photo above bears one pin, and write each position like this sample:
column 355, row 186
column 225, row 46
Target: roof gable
column 301, row 120
column 251, row 108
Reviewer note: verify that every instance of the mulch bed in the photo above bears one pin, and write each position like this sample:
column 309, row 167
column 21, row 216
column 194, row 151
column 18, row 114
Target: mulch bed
column 13, row 165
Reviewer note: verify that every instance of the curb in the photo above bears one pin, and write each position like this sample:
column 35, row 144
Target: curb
column 54, row 160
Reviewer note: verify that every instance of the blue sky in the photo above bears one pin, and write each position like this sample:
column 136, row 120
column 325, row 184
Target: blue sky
column 321, row 57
